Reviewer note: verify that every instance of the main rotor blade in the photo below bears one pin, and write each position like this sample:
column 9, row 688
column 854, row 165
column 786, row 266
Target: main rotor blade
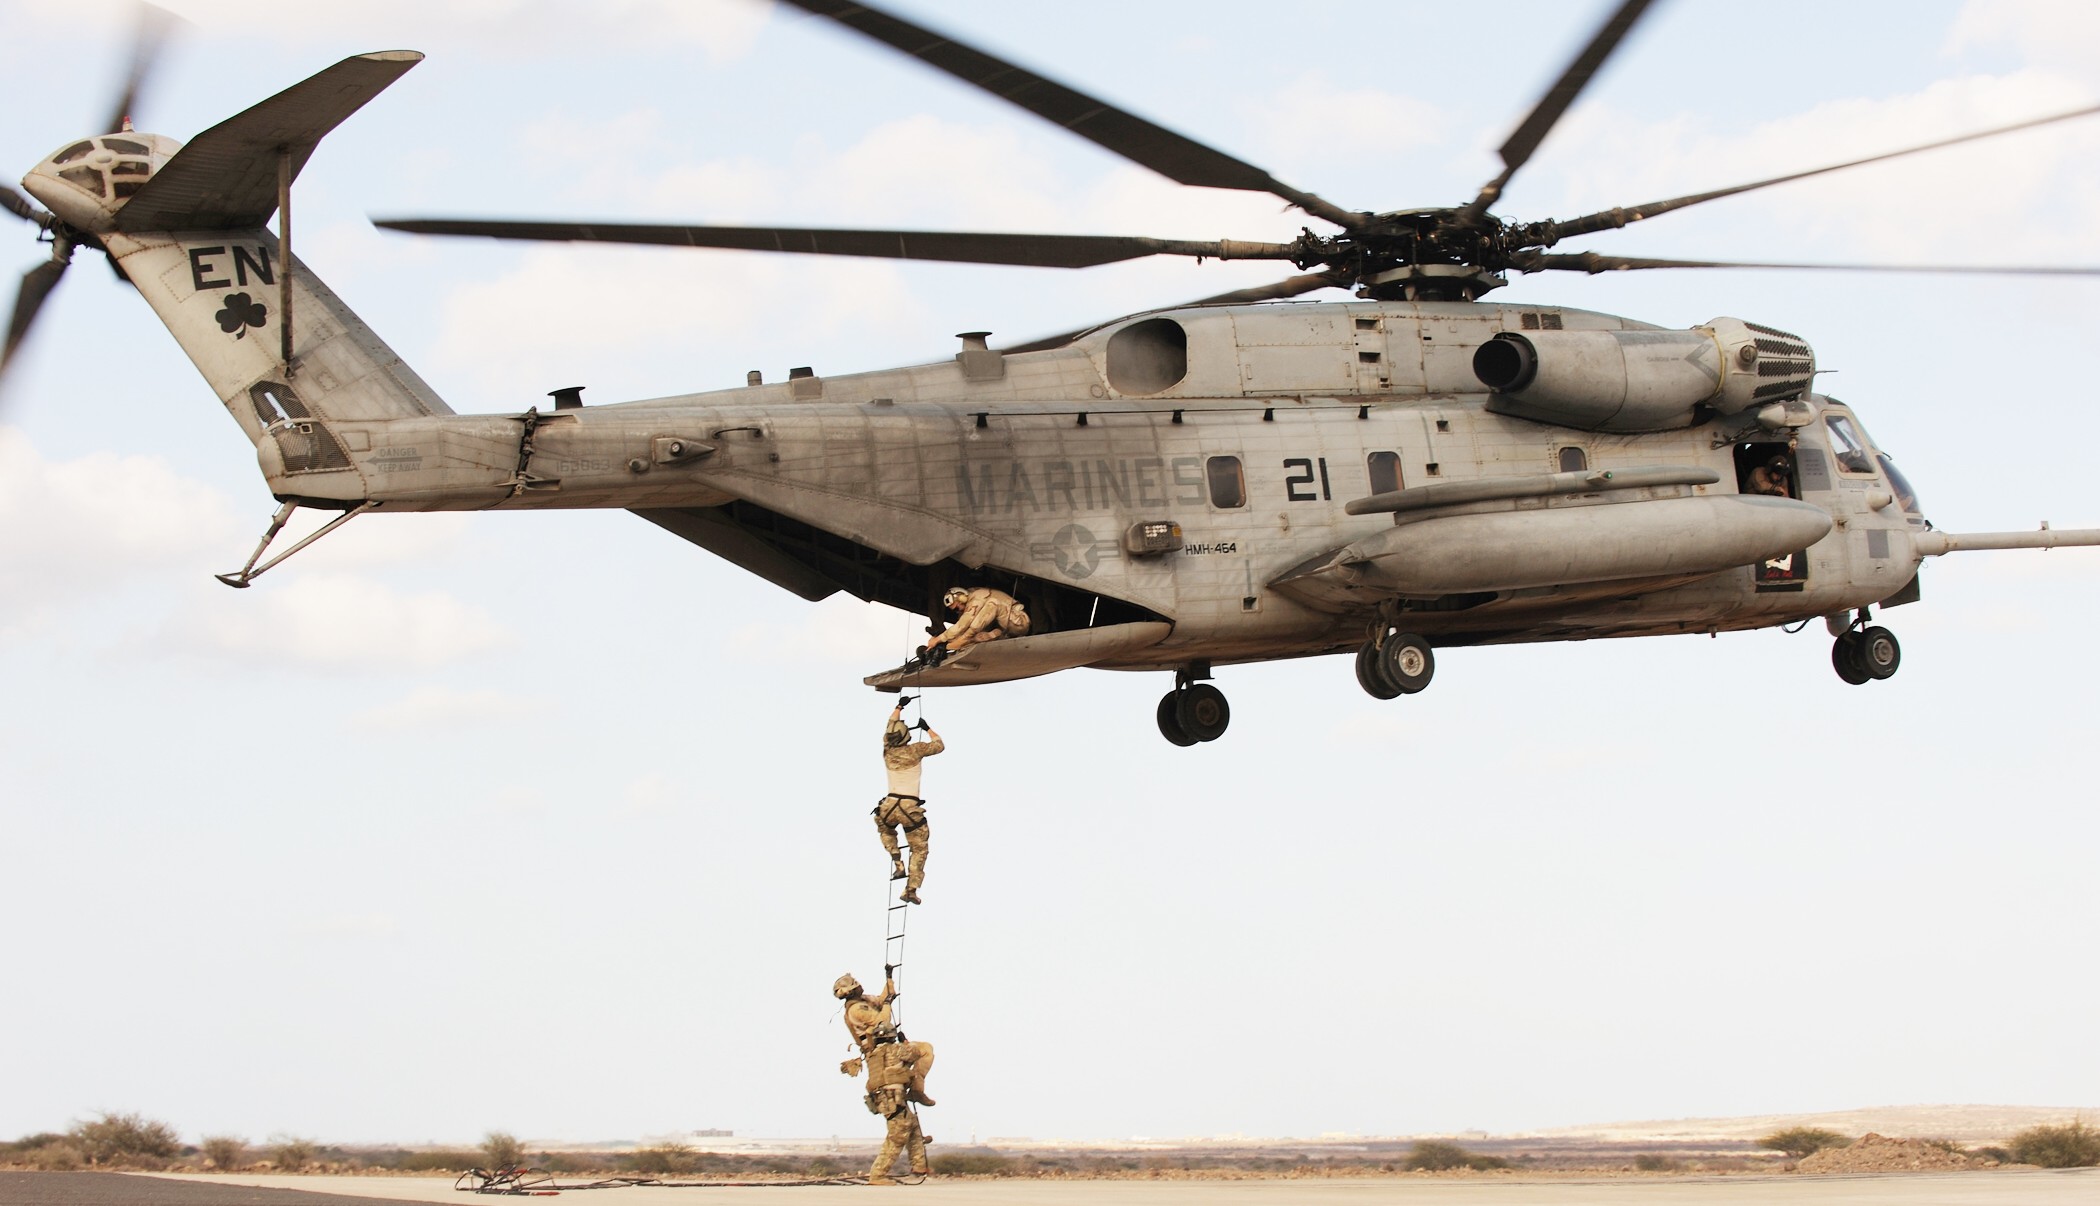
column 1037, row 250
column 1612, row 219
column 1171, row 155
column 1535, row 126
column 37, row 284
column 1288, row 287
column 151, row 29
column 20, row 206
column 1590, row 261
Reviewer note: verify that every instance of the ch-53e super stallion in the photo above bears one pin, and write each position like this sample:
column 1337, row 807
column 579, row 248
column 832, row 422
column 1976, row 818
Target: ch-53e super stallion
column 1232, row 480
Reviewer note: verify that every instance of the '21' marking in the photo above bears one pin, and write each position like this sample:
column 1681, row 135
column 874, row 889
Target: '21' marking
column 1304, row 477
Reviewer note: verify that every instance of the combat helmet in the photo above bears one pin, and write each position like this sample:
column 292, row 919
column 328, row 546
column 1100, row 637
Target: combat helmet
column 845, row 986
column 894, row 734
column 956, row 597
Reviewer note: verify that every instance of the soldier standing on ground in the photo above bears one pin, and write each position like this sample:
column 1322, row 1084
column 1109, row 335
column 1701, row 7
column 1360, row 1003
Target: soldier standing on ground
column 903, row 808
column 890, row 1073
column 869, row 1022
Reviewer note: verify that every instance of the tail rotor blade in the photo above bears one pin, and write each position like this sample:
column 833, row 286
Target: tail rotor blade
column 151, row 30
column 20, row 206
column 37, row 284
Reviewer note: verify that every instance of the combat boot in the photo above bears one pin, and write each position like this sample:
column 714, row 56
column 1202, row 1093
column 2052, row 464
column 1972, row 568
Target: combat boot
column 881, row 1181
column 897, row 869
column 911, row 896
column 919, row 1095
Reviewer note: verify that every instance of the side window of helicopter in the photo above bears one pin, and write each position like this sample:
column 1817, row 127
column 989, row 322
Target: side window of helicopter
column 1573, row 460
column 1384, row 468
column 1847, row 446
column 1228, row 482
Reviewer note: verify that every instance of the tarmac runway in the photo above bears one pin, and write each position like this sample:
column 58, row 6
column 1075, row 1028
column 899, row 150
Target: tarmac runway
column 2010, row 1187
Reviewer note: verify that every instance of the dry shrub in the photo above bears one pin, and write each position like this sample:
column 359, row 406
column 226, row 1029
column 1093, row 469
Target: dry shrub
column 52, row 1157
column 1653, row 1163
column 977, row 1162
column 225, row 1152
column 1432, row 1156
column 128, row 1140
column 290, row 1153
column 2072, row 1145
column 666, row 1159
column 438, row 1161
column 501, row 1150
column 1799, row 1141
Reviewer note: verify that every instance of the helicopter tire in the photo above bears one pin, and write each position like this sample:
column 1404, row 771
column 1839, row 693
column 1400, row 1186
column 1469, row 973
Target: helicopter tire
column 1406, row 662
column 1846, row 660
column 1879, row 653
column 1169, row 716
column 1202, row 711
column 1370, row 674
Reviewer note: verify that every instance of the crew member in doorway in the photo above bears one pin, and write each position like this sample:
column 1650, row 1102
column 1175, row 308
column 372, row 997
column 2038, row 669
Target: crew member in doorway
column 890, row 1075
column 869, row 1022
column 984, row 614
column 1773, row 477
column 903, row 808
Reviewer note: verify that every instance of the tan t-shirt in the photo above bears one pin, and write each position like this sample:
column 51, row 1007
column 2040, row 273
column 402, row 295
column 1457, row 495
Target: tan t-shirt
column 902, row 763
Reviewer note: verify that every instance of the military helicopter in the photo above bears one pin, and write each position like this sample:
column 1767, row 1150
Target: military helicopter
column 1237, row 479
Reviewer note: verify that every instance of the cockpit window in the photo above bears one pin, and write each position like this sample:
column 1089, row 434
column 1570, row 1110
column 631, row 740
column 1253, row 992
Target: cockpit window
column 130, row 167
column 1901, row 485
column 1849, row 448
column 73, row 152
column 125, row 146
column 86, row 177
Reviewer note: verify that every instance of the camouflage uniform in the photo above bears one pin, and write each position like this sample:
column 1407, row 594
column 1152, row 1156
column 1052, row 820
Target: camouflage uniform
column 890, row 1074
column 987, row 615
column 869, row 1022
column 903, row 808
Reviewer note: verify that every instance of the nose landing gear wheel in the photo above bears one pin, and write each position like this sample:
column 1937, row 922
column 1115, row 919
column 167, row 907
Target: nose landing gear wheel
column 1202, row 711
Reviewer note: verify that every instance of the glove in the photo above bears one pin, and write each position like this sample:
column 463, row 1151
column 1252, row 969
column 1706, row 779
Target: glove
column 904, row 701
column 888, row 970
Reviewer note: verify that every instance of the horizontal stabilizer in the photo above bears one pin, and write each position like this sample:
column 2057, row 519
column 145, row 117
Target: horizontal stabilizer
column 1027, row 657
column 226, row 177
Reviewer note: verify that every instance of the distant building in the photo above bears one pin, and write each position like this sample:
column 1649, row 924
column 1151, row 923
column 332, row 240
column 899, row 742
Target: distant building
column 714, row 1134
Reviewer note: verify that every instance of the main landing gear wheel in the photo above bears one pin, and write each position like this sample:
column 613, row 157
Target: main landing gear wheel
column 1202, row 711
column 1407, row 662
column 1866, row 656
column 1170, row 720
column 1844, row 658
column 1370, row 675
column 1397, row 663
column 1879, row 654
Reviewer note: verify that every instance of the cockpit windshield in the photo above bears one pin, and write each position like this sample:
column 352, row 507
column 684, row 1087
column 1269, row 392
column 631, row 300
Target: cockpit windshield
column 1848, row 443
column 1900, row 484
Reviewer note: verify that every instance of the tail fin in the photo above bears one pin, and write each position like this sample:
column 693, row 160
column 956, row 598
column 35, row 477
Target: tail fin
column 193, row 239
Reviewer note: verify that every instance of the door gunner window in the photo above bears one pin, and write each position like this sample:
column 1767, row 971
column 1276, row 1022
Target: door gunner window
column 1228, row 483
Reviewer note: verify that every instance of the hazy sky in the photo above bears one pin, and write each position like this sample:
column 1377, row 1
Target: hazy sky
column 555, row 824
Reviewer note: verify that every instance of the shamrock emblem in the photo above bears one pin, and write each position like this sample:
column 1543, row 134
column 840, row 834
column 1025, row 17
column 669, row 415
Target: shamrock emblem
column 241, row 312
column 1076, row 551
